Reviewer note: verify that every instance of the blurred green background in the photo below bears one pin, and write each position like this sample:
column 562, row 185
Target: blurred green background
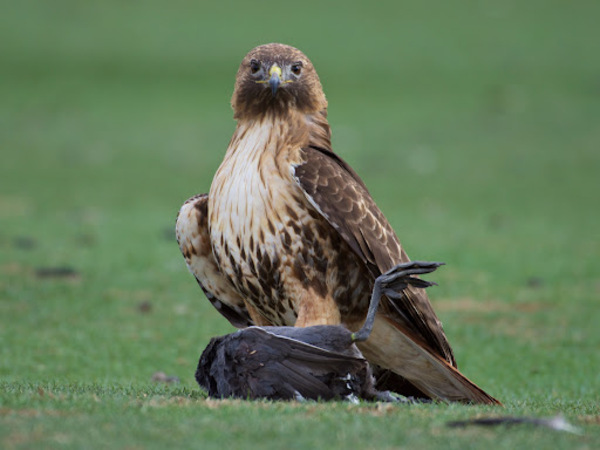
column 475, row 124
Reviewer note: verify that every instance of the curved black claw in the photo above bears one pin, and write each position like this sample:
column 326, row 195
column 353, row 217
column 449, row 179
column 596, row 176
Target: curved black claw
column 391, row 284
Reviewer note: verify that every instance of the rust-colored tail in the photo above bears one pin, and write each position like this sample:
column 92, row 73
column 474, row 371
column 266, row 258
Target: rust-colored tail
column 393, row 349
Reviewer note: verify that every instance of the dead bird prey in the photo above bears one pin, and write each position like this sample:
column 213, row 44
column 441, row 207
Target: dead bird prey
column 317, row 362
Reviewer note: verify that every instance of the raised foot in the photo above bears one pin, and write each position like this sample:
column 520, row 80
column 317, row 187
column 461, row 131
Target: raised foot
column 391, row 284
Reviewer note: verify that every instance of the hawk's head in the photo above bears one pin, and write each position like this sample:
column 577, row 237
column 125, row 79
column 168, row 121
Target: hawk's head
column 276, row 78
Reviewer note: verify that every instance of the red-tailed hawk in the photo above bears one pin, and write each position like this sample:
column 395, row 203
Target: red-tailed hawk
column 290, row 236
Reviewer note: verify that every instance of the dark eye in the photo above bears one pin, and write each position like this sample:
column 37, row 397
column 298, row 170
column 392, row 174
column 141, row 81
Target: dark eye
column 296, row 68
column 254, row 66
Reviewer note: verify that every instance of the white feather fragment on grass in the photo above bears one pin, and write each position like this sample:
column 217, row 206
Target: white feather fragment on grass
column 557, row 422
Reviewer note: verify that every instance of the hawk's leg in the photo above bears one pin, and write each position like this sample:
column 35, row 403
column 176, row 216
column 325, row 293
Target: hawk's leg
column 316, row 310
column 258, row 319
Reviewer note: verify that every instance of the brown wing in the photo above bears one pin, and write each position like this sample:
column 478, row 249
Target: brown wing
column 194, row 241
column 337, row 193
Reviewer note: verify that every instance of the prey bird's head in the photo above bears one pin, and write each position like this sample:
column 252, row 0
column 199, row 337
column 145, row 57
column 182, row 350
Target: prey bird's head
column 276, row 78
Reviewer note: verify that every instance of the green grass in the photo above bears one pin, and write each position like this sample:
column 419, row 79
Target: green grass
column 474, row 124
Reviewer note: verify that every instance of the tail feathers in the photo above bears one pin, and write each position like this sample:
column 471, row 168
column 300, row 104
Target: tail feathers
column 391, row 348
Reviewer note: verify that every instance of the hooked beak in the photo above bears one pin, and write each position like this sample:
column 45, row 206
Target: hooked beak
column 275, row 78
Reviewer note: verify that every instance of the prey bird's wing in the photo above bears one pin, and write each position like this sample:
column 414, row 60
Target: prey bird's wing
column 257, row 363
column 311, row 371
column 341, row 197
column 194, row 242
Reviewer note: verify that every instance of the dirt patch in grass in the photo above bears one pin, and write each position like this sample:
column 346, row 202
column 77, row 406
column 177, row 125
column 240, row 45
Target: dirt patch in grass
column 29, row 412
column 589, row 420
column 13, row 268
column 469, row 304
column 14, row 206
column 501, row 318
column 62, row 273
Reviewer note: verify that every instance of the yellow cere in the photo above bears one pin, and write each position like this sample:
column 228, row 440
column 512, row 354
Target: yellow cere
column 275, row 69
